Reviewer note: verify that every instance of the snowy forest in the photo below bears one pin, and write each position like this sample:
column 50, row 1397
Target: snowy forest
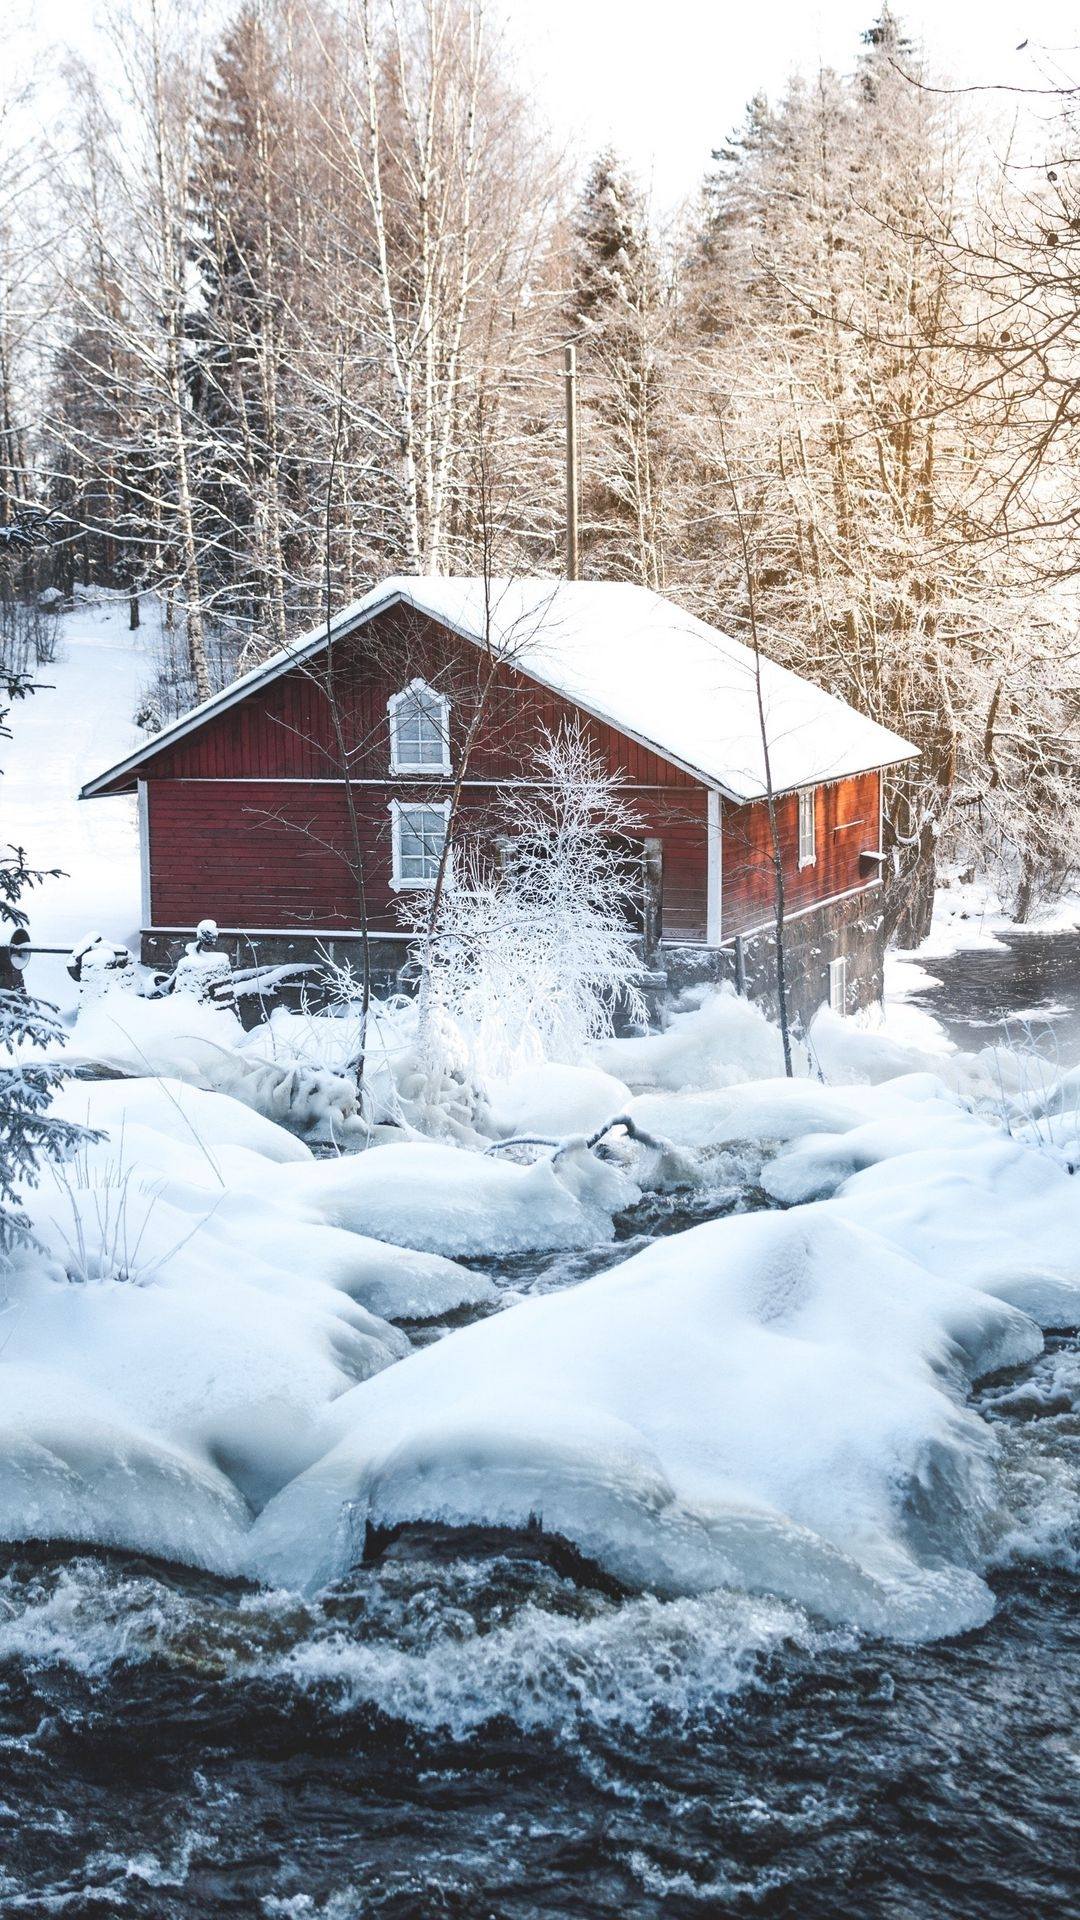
column 283, row 312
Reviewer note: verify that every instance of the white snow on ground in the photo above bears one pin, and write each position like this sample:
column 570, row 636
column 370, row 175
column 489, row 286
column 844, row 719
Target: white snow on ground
column 79, row 721
column 969, row 916
column 773, row 1402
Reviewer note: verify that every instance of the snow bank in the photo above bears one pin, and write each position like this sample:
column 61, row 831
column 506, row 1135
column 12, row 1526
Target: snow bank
column 436, row 1198
column 78, row 721
column 713, row 1038
column 183, row 1113
column 175, row 1036
column 553, row 1101
column 771, row 1402
column 969, row 916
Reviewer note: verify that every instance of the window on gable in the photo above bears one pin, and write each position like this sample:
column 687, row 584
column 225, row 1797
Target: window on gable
column 419, row 730
column 807, row 828
column 419, row 835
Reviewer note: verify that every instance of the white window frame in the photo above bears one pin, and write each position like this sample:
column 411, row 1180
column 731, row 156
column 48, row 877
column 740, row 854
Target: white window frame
column 808, row 826
column 408, row 697
column 838, row 984
column 399, row 881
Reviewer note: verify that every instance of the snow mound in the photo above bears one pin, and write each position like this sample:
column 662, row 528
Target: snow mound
column 163, row 1315
column 189, row 1115
column 436, row 1198
column 554, row 1100
column 713, row 1038
column 819, row 1164
column 771, row 1403
column 994, row 1214
column 214, row 1160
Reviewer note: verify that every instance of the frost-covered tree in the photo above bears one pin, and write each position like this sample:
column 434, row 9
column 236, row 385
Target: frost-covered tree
column 836, row 347
column 620, row 313
column 530, row 959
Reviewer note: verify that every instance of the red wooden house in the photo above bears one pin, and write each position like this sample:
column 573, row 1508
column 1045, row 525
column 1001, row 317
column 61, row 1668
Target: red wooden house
column 246, row 811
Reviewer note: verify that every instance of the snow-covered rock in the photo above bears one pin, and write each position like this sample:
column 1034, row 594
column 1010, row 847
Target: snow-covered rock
column 70, row 1469
column 772, row 1402
column 995, row 1213
column 441, row 1199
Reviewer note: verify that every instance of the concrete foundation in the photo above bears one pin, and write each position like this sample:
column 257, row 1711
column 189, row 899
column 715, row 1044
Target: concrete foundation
column 850, row 927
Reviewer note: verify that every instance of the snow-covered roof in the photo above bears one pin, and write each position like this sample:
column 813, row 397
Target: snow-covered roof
column 629, row 657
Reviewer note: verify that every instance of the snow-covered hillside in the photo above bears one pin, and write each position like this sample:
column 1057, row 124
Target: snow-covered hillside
column 78, row 721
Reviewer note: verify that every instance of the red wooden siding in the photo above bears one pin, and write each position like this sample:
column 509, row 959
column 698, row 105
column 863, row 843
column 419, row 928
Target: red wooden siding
column 266, row 854
column 846, row 815
column 284, row 730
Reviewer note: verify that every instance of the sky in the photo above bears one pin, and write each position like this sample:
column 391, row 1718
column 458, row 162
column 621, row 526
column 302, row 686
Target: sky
column 667, row 80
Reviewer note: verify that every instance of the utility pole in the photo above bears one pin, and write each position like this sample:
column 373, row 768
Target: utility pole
column 571, row 465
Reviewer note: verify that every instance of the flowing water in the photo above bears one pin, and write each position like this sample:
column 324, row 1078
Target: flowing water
column 473, row 1725
column 1028, row 986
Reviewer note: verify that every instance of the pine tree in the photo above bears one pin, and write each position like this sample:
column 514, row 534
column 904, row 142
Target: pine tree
column 240, row 245
column 618, row 310
column 29, row 1134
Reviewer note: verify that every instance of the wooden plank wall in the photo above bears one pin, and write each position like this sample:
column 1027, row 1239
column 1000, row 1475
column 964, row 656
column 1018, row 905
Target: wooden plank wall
column 846, row 814
column 273, row 854
column 247, row 825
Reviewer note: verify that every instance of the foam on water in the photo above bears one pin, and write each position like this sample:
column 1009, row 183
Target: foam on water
column 445, row 1647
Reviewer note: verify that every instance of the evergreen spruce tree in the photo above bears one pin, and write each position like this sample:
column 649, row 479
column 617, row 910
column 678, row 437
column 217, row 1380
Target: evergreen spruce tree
column 29, row 1134
column 237, row 368
column 617, row 310
column 610, row 261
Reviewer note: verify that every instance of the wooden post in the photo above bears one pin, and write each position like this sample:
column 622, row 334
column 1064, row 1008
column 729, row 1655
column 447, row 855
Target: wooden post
column 652, row 864
column 571, row 465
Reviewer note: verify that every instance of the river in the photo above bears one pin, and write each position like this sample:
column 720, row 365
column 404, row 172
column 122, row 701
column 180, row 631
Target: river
column 1026, row 987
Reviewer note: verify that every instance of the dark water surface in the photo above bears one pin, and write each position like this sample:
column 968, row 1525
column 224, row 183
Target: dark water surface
column 476, row 1726
column 1029, row 986
column 241, row 1759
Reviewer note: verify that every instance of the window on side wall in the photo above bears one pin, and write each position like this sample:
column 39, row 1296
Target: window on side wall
column 419, row 730
column 807, row 827
column 419, row 835
column 838, row 985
